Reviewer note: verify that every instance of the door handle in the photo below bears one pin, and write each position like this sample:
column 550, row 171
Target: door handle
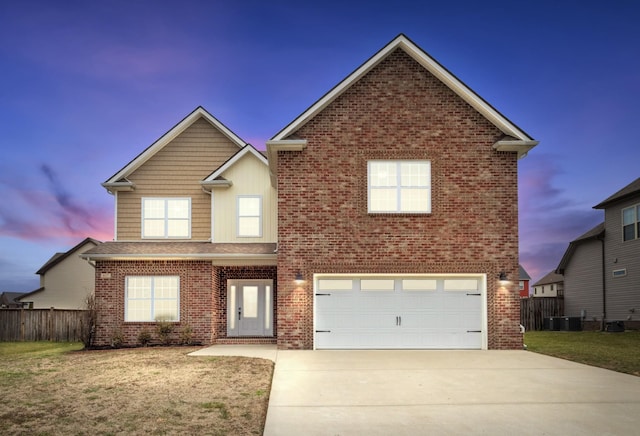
column 400, row 320
column 239, row 313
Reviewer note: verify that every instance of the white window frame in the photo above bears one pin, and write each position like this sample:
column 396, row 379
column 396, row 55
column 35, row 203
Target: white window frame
column 239, row 217
column 165, row 218
column 635, row 209
column 399, row 187
column 152, row 299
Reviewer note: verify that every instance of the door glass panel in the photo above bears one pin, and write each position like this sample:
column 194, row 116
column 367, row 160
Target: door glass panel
column 267, row 307
column 419, row 285
column 461, row 285
column 376, row 285
column 231, row 312
column 250, row 301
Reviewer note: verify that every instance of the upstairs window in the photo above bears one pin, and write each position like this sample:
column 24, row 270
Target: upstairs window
column 249, row 216
column 631, row 223
column 399, row 186
column 166, row 218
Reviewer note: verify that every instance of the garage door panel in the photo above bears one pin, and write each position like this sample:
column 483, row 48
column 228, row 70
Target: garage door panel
column 421, row 312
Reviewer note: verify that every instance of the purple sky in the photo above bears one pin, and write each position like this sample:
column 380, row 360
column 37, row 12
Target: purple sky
column 86, row 86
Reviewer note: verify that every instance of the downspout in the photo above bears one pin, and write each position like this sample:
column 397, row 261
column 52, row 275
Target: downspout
column 604, row 288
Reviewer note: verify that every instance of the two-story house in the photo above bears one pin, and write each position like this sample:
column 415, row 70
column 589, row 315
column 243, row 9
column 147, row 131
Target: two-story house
column 66, row 280
column 551, row 285
column 384, row 217
column 601, row 268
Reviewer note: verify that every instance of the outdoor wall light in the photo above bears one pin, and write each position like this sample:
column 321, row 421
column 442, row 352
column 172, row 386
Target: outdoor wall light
column 299, row 279
column 503, row 277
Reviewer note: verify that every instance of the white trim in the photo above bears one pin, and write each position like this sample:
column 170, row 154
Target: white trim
column 115, row 216
column 166, row 218
column 238, row 198
column 198, row 113
column 431, row 65
column 232, row 161
column 482, row 279
column 273, row 147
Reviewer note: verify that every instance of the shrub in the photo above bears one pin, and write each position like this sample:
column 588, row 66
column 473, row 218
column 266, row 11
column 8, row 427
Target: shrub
column 164, row 329
column 144, row 337
column 186, row 335
column 88, row 328
column 117, row 338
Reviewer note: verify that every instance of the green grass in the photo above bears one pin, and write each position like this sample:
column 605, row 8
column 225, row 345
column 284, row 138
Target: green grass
column 616, row 351
column 37, row 349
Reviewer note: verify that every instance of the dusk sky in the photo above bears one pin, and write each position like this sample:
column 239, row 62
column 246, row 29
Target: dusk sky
column 86, row 86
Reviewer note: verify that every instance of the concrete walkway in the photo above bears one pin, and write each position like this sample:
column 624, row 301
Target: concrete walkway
column 409, row 392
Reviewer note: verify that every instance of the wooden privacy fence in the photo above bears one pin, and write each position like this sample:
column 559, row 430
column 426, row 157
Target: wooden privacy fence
column 533, row 311
column 57, row 325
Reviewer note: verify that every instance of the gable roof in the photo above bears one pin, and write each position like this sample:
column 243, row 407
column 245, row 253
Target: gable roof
column 215, row 178
column 595, row 233
column 515, row 140
column 118, row 180
column 551, row 277
column 522, row 273
column 630, row 190
column 445, row 76
column 59, row 257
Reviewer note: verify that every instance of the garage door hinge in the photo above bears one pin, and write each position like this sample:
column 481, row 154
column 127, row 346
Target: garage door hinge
column 322, row 294
column 323, row 331
column 474, row 331
column 475, row 294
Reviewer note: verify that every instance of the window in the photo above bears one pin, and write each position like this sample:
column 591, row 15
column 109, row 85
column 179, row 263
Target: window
column 152, row 298
column 402, row 186
column 250, row 216
column 631, row 223
column 166, row 218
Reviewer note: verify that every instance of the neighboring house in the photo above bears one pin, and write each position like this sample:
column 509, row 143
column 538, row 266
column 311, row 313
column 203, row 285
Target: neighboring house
column 602, row 267
column 8, row 300
column 551, row 285
column 66, row 280
column 523, row 284
column 357, row 232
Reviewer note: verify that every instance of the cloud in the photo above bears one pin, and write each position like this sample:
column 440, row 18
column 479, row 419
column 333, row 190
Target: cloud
column 54, row 214
column 549, row 219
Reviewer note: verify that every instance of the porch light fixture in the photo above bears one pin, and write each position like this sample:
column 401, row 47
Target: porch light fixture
column 299, row 279
column 503, row 277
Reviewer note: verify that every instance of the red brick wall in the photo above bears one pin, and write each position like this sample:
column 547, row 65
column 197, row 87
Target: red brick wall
column 240, row 272
column 197, row 300
column 203, row 297
column 397, row 111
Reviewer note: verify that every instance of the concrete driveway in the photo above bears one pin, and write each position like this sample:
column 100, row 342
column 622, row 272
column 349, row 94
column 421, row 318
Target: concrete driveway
column 447, row 392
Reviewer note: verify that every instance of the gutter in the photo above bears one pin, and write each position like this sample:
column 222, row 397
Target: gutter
column 604, row 288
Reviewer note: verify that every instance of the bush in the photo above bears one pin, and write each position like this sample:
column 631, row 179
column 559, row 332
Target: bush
column 89, row 325
column 164, row 329
column 186, row 335
column 144, row 337
column 117, row 338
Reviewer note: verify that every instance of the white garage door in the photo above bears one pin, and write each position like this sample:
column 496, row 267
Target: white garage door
column 374, row 312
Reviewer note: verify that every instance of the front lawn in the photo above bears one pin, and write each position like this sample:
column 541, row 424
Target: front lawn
column 616, row 351
column 52, row 388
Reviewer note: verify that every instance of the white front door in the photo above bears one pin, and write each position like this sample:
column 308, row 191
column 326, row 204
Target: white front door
column 250, row 308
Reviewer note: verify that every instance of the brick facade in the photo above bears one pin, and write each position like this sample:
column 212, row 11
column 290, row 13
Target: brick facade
column 398, row 110
column 202, row 298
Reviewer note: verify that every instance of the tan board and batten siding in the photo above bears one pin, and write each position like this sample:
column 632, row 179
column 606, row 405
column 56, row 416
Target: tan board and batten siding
column 176, row 171
column 250, row 176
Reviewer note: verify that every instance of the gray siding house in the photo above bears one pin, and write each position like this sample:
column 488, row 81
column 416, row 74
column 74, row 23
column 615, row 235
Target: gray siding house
column 601, row 268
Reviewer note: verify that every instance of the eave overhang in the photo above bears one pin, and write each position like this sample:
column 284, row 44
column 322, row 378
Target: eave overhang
column 521, row 147
column 208, row 185
column 273, row 147
column 119, row 186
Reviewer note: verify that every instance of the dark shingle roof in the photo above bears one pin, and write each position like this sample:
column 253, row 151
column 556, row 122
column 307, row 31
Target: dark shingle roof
column 551, row 277
column 113, row 250
column 631, row 189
